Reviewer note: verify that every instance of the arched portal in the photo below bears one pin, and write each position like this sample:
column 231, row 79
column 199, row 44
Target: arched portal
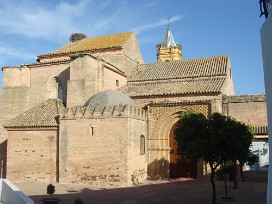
column 180, row 165
column 161, row 154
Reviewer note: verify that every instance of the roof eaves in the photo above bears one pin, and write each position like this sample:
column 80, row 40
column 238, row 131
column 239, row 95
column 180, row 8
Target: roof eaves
column 47, row 63
column 78, row 52
column 158, row 103
column 19, row 127
column 170, row 94
column 176, row 78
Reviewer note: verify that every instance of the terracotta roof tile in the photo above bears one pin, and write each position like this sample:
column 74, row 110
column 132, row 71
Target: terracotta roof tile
column 174, row 87
column 204, row 75
column 202, row 67
column 260, row 130
column 100, row 42
column 42, row 115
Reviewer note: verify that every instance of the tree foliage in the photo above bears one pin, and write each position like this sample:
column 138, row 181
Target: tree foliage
column 186, row 144
column 216, row 140
column 241, row 137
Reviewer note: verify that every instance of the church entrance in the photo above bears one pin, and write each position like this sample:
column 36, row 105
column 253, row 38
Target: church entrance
column 180, row 166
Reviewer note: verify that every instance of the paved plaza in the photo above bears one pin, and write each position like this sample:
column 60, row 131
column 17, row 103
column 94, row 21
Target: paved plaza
column 160, row 192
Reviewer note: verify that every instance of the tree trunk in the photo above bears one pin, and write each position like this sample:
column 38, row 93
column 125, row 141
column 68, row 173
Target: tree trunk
column 235, row 174
column 213, row 184
column 225, row 182
column 241, row 171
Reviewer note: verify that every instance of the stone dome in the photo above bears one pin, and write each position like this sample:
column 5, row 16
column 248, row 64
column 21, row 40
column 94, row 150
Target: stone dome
column 109, row 98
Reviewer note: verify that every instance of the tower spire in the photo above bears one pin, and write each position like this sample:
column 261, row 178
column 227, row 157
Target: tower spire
column 169, row 39
column 169, row 50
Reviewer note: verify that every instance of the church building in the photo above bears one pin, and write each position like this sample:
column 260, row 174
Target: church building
column 93, row 112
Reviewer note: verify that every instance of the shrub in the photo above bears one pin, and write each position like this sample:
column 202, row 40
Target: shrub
column 50, row 189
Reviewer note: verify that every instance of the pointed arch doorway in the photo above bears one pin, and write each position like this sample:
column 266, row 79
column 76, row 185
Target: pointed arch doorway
column 180, row 166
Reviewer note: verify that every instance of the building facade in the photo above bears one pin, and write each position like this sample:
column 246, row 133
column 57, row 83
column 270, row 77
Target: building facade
column 92, row 112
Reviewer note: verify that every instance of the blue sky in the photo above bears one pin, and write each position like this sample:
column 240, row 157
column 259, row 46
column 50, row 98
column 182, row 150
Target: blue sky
column 204, row 28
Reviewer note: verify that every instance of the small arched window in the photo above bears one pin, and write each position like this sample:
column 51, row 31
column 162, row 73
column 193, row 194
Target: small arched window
column 142, row 145
column 54, row 89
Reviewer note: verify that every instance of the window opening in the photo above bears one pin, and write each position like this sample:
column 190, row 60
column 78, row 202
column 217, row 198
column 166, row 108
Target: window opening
column 142, row 145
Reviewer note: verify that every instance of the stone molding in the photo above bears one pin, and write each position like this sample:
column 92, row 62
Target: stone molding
column 246, row 98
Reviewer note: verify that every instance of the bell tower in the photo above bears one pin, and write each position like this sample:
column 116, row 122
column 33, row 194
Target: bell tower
column 168, row 50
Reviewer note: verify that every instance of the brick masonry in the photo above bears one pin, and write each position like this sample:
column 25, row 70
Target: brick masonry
column 105, row 150
column 250, row 109
column 32, row 155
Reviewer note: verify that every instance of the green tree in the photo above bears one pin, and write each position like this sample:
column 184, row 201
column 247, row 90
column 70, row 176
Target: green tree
column 217, row 140
column 250, row 159
column 241, row 136
column 220, row 126
column 197, row 137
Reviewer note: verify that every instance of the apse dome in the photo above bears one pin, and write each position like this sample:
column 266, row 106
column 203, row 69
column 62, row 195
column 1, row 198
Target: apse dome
column 109, row 98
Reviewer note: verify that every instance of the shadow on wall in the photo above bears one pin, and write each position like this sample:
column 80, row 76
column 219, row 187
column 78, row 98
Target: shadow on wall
column 159, row 169
column 180, row 168
column 3, row 157
column 64, row 77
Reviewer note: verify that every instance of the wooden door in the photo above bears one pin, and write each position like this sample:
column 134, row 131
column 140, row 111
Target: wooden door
column 180, row 166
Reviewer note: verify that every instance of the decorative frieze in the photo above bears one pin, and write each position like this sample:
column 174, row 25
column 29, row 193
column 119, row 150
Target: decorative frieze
column 103, row 111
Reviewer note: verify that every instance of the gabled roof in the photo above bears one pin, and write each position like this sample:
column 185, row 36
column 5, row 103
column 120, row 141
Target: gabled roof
column 41, row 115
column 94, row 43
column 194, row 76
column 202, row 67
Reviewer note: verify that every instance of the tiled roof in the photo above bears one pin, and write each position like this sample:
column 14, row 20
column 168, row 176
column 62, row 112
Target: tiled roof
column 100, row 42
column 260, row 130
column 197, row 76
column 171, row 87
column 42, row 115
column 202, row 67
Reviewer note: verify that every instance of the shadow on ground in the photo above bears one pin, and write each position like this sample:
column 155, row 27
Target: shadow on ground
column 187, row 192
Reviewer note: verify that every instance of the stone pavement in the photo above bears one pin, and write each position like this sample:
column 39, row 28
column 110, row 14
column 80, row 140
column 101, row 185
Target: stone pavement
column 183, row 191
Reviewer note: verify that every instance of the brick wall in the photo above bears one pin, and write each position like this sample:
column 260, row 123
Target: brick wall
column 88, row 77
column 101, row 150
column 110, row 79
column 137, row 162
column 32, row 155
column 40, row 76
column 250, row 109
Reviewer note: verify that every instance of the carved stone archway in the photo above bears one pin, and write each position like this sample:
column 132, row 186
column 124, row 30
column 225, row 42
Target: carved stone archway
column 162, row 119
